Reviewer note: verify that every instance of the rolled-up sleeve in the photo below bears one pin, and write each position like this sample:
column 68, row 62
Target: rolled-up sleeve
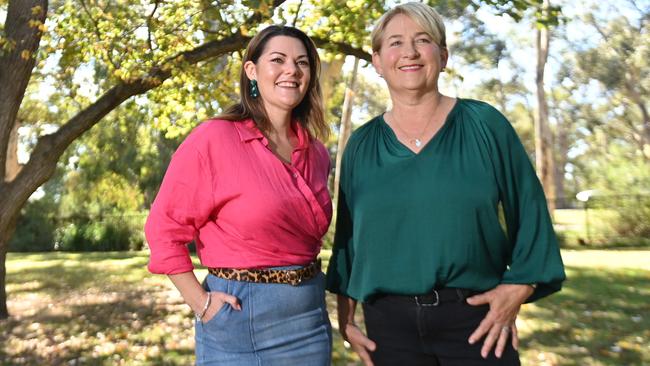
column 183, row 204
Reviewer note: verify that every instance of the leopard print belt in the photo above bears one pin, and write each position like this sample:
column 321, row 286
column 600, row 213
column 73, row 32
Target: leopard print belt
column 287, row 276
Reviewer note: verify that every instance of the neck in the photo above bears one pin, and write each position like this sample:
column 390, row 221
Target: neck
column 420, row 106
column 280, row 123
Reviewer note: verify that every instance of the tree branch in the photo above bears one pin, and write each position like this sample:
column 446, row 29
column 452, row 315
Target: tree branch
column 295, row 19
column 343, row 48
column 49, row 148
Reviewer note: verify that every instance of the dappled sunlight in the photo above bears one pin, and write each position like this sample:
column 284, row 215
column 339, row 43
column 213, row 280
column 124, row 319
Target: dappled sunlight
column 106, row 309
column 597, row 316
column 635, row 259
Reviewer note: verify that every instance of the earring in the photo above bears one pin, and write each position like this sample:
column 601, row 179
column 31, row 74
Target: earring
column 254, row 92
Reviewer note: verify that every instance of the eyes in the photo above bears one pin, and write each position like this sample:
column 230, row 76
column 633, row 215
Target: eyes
column 280, row 61
column 420, row 40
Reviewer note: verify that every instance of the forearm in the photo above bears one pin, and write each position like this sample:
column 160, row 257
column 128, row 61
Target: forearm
column 346, row 308
column 190, row 289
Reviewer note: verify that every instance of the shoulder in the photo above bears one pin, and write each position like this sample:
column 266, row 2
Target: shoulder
column 212, row 128
column 363, row 136
column 212, row 131
column 365, row 132
column 481, row 111
column 484, row 116
column 320, row 148
column 210, row 137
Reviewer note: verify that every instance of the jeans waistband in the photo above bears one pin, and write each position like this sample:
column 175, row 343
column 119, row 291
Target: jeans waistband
column 434, row 297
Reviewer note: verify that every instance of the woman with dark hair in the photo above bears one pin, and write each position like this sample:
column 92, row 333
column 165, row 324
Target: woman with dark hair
column 250, row 188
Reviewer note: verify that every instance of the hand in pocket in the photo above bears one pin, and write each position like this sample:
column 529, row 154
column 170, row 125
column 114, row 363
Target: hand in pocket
column 217, row 301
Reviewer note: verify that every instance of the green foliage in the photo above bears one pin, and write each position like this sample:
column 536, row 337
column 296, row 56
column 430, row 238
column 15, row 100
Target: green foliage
column 35, row 229
column 101, row 216
column 90, row 46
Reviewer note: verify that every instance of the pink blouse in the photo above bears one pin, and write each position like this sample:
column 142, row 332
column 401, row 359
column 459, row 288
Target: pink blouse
column 244, row 207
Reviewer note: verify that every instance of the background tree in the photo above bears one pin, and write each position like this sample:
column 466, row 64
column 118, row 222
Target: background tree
column 96, row 55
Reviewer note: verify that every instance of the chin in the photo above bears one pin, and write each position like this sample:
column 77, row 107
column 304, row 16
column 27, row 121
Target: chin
column 414, row 88
column 291, row 102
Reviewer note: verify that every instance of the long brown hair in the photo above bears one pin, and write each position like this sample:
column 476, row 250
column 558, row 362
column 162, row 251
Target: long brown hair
column 309, row 113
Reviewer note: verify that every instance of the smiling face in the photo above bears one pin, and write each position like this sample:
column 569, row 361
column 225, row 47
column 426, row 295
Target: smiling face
column 282, row 74
column 409, row 59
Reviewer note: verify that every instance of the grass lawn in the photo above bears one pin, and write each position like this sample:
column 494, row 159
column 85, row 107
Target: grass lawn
column 593, row 229
column 106, row 309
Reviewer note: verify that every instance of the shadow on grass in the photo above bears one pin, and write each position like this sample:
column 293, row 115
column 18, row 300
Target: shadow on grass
column 105, row 309
column 92, row 309
column 74, row 271
column 600, row 315
column 123, row 329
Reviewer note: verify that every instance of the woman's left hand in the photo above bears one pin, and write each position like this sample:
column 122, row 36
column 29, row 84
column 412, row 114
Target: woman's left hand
column 505, row 301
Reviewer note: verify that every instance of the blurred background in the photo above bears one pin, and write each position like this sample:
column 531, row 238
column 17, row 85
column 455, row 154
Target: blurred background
column 97, row 94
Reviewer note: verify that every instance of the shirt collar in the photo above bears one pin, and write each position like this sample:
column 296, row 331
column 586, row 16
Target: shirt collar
column 302, row 134
column 248, row 131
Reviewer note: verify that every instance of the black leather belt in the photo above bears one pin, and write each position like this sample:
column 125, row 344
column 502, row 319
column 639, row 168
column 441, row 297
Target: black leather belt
column 436, row 297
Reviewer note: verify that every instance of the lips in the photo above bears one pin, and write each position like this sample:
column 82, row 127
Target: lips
column 411, row 67
column 287, row 84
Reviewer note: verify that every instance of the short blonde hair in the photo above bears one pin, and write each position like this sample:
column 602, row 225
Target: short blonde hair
column 424, row 15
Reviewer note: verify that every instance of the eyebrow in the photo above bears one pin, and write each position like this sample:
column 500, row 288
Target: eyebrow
column 416, row 34
column 284, row 55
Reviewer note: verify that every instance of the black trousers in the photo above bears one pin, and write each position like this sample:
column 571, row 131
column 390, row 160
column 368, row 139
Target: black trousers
column 409, row 333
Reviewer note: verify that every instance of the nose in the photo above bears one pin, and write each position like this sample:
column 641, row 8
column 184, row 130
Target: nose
column 410, row 51
column 292, row 69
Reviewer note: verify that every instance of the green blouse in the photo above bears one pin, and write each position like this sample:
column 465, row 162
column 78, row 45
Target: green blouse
column 408, row 223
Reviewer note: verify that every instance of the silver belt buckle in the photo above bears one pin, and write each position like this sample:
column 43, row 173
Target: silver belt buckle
column 435, row 303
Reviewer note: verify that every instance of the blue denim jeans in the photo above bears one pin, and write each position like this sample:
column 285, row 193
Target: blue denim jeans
column 278, row 324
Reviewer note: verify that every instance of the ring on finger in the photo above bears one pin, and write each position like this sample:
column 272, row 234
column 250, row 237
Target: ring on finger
column 505, row 328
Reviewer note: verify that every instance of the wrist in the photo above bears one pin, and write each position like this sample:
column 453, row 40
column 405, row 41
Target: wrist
column 343, row 329
column 200, row 313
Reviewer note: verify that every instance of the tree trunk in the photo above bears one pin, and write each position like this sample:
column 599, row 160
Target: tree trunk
column 330, row 73
column 22, row 35
column 345, row 128
column 561, row 161
column 16, row 66
column 12, row 166
column 4, row 312
column 16, row 63
column 6, row 231
column 543, row 137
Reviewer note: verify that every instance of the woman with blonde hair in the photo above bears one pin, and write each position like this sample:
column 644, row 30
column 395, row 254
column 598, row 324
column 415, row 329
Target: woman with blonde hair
column 418, row 239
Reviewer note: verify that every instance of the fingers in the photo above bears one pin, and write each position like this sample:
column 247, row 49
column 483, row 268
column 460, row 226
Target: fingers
column 226, row 298
column 503, row 340
column 492, row 336
column 515, row 337
column 496, row 334
column 217, row 300
column 364, row 356
column 479, row 299
column 361, row 344
column 483, row 328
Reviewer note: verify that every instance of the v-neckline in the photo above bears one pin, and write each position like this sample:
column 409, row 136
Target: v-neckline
column 431, row 140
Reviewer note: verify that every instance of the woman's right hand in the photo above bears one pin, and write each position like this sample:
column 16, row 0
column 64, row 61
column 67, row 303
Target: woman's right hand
column 359, row 342
column 217, row 302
